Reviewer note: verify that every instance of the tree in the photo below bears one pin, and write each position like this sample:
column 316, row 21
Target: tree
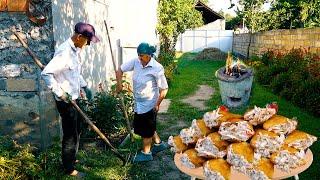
column 293, row 14
column 174, row 18
column 253, row 15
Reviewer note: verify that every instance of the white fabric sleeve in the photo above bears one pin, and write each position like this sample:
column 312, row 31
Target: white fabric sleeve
column 55, row 66
column 161, row 79
column 128, row 66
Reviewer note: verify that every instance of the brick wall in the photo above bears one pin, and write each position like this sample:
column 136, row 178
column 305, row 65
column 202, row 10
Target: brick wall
column 282, row 40
column 27, row 107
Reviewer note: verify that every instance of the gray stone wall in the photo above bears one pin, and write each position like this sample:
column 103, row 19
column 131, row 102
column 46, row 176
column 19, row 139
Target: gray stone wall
column 27, row 107
column 282, row 40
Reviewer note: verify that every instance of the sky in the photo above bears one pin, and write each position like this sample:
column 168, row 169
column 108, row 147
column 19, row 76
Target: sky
column 217, row 5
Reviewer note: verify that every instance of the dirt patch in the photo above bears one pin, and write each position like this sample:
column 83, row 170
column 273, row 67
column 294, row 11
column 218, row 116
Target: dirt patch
column 198, row 99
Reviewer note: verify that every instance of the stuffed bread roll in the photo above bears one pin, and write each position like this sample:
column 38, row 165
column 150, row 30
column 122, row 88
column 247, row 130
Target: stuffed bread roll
column 300, row 140
column 288, row 158
column 263, row 170
column 280, row 125
column 217, row 169
column 187, row 136
column 176, row 144
column 212, row 146
column 265, row 142
column 190, row 159
column 259, row 115
column 240, row 156
column 200, row 128
column 216, row 117
column 236, row 130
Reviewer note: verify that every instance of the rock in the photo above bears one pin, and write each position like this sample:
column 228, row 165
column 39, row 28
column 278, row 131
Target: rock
column 10, row 70
column 35, row 33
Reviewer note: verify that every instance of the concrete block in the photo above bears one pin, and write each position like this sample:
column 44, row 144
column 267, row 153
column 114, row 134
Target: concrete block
column 21, row 85
column 2, row 84
column 10, row 70
column 14, row 106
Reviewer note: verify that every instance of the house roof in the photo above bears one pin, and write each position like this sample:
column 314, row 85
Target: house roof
column 208, row 14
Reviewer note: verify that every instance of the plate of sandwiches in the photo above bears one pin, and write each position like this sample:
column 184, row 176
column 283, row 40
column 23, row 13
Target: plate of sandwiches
column 258, row 145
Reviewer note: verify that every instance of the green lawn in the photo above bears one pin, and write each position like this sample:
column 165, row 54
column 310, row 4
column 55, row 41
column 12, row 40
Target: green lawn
column 102, row 165
column 193, row 73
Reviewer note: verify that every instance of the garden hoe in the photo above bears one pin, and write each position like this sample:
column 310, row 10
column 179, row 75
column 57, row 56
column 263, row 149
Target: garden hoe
column 120, row 95
column 85, row 117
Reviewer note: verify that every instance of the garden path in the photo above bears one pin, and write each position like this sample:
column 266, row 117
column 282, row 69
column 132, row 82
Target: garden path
column 198, row 99
column 163, row 162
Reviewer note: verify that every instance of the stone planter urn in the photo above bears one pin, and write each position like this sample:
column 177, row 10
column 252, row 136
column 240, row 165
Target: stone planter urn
column 235, row 90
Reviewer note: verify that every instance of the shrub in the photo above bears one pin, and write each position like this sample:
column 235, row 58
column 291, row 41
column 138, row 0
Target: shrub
column 294, row 76
column 17, row 161
column 170, row 65
column 106, row 112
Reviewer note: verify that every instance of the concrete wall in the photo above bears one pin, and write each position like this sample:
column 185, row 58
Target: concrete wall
column 197, row 40
column 282, row 40
column 219, row 24
column 27, row 108
column 130, row 22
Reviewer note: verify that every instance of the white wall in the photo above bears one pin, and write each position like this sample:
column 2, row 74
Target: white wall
column 197, row 40
column 219, row 24
column 130, row 22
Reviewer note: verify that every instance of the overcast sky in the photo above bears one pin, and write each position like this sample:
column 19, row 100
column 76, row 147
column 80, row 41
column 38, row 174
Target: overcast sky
column 217, row 5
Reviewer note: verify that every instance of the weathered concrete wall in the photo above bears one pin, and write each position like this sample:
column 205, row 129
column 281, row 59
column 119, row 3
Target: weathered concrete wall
column 27, row 108
column 282, row 40
column 130, row 22
column 219, row 24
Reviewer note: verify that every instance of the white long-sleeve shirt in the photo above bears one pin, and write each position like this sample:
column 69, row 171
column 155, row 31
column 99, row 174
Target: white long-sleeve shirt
column 147, row 81
column 63, row 72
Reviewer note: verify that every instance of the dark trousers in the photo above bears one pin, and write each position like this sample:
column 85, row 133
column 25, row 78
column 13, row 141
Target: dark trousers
column 71, row 120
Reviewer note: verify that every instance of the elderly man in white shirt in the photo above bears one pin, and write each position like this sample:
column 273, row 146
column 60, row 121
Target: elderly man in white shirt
column 63, row 76
column 149, row 89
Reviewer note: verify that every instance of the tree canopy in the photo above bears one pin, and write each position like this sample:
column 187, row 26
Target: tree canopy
column 174, row 18
column 283, row 14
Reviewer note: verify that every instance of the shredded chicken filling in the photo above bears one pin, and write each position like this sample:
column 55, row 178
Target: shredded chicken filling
column 186, row 161
column 285, row 128
column 172, row 144
column 211, row 119
column 303, row 143
column 206, row 148
column 256, row 174
column 209, row 174
column 259, row 115
column 187, row 136
column 285, row 160
column 197, row 132
column 238, row 131
column 238, row 162
column 265, row 145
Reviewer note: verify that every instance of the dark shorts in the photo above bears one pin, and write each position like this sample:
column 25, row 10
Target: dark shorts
column 145, row 124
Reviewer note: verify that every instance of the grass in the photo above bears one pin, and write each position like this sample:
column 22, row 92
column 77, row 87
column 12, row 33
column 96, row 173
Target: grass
column 103, row 165
column 193, row 73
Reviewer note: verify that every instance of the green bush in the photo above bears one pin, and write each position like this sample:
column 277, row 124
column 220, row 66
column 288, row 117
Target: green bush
column 170, row 65
column 106, row 112
column 294, row 76
column 17, row 161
